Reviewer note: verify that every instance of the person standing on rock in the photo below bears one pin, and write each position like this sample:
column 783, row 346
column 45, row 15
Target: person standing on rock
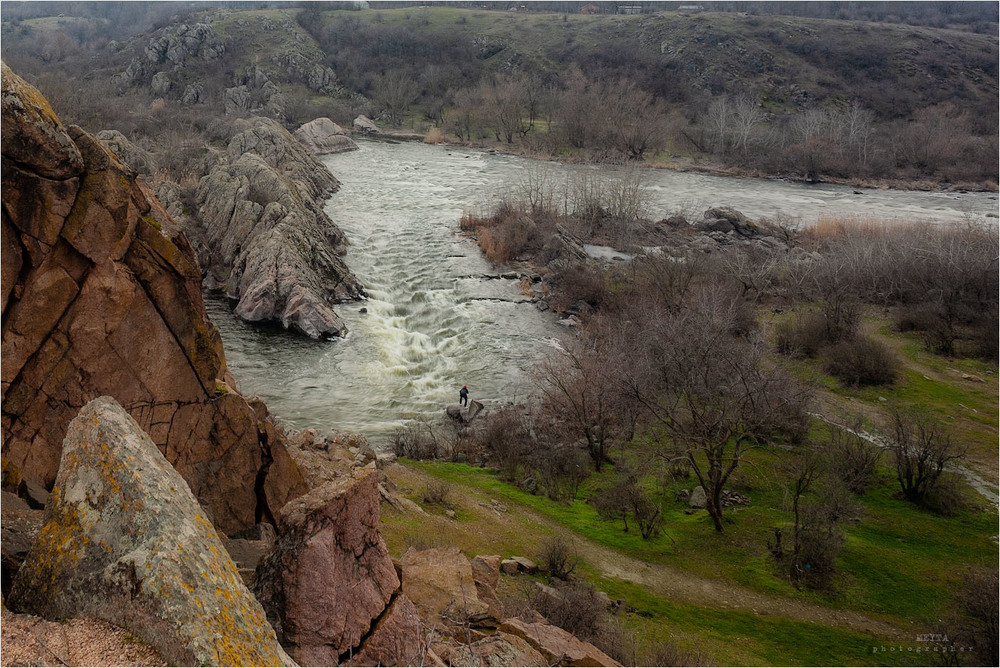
column 463, row 396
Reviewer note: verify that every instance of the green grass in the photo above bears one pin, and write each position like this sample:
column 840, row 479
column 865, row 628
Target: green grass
column 743, row 638
column 898, row 560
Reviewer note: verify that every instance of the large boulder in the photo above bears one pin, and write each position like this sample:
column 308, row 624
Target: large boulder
column 501, row 649
column 364, row 125
column 559, row 647
column 330, row 588
column 267, row 241
column 322, row 136
column 440, row 583
column 97, row 301
column 728, row 220
column 125, row 541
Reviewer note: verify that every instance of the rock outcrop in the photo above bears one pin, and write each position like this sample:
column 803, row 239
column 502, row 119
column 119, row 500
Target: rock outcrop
column 125, row 541
column 19, row 527
column 440, row 582
column 365, row 126
column 97, row 301
column 329, row 588
column 135, row 158
column 322, row 136
column 559, row 647
column 265, row 239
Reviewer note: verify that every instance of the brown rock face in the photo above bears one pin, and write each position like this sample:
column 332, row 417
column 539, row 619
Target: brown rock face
column 327, row 586
column 96, row 301
column 559, row 647
column 440, row 582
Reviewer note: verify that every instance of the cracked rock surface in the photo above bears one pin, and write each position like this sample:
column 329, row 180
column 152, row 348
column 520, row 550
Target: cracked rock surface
column 97, row 301
column 125, row 541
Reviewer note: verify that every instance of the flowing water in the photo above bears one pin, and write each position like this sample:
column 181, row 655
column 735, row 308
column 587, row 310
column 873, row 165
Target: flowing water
column 434, row 320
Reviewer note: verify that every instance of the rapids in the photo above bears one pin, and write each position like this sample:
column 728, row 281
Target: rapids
column 434, row 321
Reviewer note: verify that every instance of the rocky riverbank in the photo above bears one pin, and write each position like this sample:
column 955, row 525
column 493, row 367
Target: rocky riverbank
column 145, row 498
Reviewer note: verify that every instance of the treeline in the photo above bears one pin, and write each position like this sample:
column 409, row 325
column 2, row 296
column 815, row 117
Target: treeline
column 720, row 88
column 618, row 100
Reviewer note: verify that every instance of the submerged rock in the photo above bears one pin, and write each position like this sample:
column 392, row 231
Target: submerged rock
column 125, row 541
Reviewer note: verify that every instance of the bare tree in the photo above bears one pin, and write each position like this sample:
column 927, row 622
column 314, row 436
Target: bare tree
column 747, row 115
column 578, row 387
column 636, row 118
column 394, row 93
column 922, row 449
column 720, row 114
column 711, row 390
column 505, row 105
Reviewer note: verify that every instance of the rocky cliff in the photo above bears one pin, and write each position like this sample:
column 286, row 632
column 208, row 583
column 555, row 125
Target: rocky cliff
column 97, row 301
column 262, row 235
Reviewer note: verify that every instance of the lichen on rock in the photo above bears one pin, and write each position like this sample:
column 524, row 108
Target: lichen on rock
column 125, row 541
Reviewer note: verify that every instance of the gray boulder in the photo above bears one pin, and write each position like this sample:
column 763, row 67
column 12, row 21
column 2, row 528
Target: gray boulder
column 323, row 136
column 698, row 498
column 364, row 125
column 137, row 159
column 726, row 219
column 193, row 93
column 563, row 249
column 125, row 541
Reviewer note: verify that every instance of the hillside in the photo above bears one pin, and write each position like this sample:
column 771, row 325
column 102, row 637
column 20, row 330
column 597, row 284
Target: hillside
column 767, row 94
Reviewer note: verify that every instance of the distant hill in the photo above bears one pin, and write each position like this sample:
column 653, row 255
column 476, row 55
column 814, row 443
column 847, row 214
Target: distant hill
column 927, row 95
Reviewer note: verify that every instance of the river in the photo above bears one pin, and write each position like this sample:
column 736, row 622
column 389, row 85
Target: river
column 434, row 321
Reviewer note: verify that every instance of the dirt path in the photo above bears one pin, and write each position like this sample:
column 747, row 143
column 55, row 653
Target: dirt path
column 665, row 581
column 678, row 585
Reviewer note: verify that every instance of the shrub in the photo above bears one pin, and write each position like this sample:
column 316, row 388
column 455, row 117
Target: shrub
column 582, row 283
column 434, row 136
column 505, row 240
column 436, row 492
column 921, row 448
column 626, row 499
column 505, row 438
column 861, row 362
column 415, row 440
column 558, row 558
column 804, row 336
column 561, row 469
column 578, row 609
column 853, row 458
column 978, row 602
column 945, row 497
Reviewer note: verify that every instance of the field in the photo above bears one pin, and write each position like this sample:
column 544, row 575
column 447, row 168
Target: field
column 722, row 594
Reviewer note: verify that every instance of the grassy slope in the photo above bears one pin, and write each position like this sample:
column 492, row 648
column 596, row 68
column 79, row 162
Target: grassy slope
column 901, row 566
